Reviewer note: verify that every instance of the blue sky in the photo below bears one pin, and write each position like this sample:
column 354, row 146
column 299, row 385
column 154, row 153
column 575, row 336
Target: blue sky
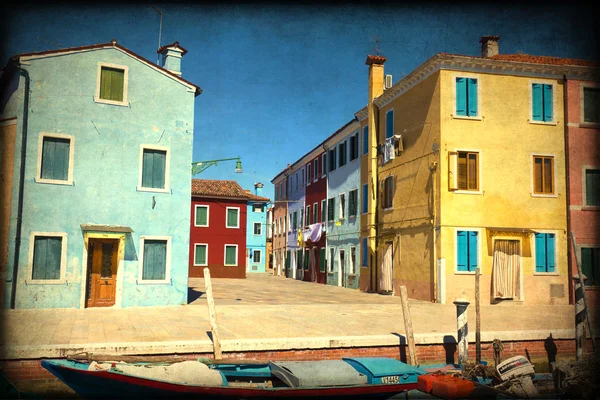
column 278, row 79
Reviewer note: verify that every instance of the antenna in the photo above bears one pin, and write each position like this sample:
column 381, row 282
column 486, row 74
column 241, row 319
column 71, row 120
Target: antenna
column 376, row 47
column 159, row 34
column 47, row 41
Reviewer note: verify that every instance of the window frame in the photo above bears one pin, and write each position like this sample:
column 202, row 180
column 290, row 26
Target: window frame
column 553, row 121
column 237, row 255
column 125, row 68
column 454, row 154
column 384, row 204
column 206, row 260
column 167, row 279
column 585, row 169
column 254, row 256
column 315, row 213
column 354, row 145
column 479, row 115
column 63, row 259
column 331, row 216
column 238, row 217
column 342, row 206
column 350, row 215
column 324, row 165
column 342, row 150
column 534, row 253
column 365, row 143
column 254, row 229
column 308, row 174
column 207, row 206
column 316, row 169
column 324, row 211
column 167, row 188
column 479, row 247
column 532, row 166
column 391, row 110
column 582, row 121
column 331, row 260
column 580, row 255
column 38, row 175
column 352, row 259
column 307, row 216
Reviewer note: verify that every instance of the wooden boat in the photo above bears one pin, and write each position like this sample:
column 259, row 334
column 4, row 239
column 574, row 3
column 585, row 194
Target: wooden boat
column 349, row 378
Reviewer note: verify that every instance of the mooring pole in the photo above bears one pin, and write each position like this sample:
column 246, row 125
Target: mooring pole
column 410, row 337
column 583, row 295
column 580, row 318
column 463, row 330
column 213, row 315
column 477, row 319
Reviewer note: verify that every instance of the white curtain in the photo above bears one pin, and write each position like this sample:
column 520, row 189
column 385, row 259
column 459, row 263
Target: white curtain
column 507, row 269
column 386, row 275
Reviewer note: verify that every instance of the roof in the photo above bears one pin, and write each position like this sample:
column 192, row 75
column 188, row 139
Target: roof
column 527, row 58
column 223, row 188
column 112, row 44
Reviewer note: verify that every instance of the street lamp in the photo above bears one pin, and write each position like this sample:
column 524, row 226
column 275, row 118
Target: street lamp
column 200, row 166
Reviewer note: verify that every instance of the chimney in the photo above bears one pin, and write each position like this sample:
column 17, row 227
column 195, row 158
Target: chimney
column 489, row 46
column 171, row 57
column 258, row 188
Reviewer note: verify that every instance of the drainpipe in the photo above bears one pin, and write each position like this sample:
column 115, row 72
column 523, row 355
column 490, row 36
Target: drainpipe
column 568, row 182
column 21, row 186
column 433, row 168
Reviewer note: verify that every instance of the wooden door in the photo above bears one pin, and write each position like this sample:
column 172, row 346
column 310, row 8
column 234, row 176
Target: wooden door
column 103, row 278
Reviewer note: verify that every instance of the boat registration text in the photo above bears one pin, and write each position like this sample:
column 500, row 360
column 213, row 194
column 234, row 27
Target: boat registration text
column 390, row 379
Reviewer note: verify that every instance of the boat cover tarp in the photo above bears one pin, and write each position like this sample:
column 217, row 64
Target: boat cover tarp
column 317, row 373
column 185, row 372
column 379, row 367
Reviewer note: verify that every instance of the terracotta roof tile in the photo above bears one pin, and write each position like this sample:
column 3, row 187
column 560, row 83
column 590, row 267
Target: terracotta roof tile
column 217, row 188
column 254, row 197
column 527, row 58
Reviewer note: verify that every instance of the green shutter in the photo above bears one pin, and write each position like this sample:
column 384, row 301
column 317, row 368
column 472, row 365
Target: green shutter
column 306, row 259
column 287, row 259
column 591, row 104
column 330, row 209
column 322, row 260
column 548, row 103
column 155, row 260
column 55, row 158
column 201, row 216
column 461, row 96
column 232, row 217
column 111, row 84
column 200, row 254
column 153, row 168
column 592, row 187
column 472, row 97
column 536, row 101
column 230, row 255
column 46, row 257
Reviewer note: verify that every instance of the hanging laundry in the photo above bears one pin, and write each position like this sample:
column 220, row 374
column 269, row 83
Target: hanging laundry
column 300, row 241
column 313, row 233
column 389, row 152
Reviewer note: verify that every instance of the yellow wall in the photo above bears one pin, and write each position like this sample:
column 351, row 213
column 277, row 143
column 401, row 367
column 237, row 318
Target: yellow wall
column 505, row 140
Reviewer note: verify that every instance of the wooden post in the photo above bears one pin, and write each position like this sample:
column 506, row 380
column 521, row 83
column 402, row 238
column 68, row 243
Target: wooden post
column 584, row 313
column 463, row 330
column 213, row 315
column 477, row 319
column 410, row 338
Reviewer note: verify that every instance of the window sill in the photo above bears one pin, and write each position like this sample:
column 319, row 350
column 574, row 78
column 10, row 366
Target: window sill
column 45, row 282
column 544, row 195
column 388, row 209
column 154, row 190
column 230, row 265
column 479, row 192
column 200, row 265
column 589, row 124
column 201, row 226
column 552, row 123
column 464, row 272
column 546, row 274
column 590, row 208
column 232, row 227
column 157, row 282
column 54, row 182
column 123, row 103
column 477, row 118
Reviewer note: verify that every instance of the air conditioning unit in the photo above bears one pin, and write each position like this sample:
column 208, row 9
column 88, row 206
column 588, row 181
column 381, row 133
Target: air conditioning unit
column 388, row 81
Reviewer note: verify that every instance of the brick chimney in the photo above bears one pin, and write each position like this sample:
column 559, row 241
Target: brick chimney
column 489, row 46
column 171, row 57
column 258, row 188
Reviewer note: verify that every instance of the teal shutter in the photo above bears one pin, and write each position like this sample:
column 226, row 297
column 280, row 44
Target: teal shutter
column 365, row 140
column 461, row 96
column 46, row 257
column 461, row 246
column 472, row 97
column 55, row 158
column 389, row 124
column 550, row 243
column 548, row 103
column 153, row 168
column 536, row 101
column 592, row 187
column 472, row 252
column 540, row 252
column 155, row 260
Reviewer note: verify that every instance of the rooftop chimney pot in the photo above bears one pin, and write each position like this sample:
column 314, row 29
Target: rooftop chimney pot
column 489, row 46
column 171, row 57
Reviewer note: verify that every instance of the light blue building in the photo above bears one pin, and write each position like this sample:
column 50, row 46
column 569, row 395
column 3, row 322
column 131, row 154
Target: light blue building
column 296, row 192
column 343, row 200
column 256, row 232
column 100, row 202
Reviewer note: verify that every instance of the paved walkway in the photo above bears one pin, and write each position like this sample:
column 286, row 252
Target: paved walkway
column 264, row 312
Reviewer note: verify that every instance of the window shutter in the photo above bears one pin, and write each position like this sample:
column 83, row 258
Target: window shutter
column 461, row 96
column 155, row 257
column 231, row 218
column 287, row 259
column 452, row 170
column 153, row 168
column 540, row 252
column 364, row 252
column 389, row 124
column 306, row 257
column 201, row 216
column 592, row 187
column 536, row 101
column 548, row 103
column 548, row 175
column 365, row 198
column 472, row 251
column 230, row 255
column 472, row 97
column 55, row 158
column 200, row 254
column 461, row 262
column 365, row 140
column 46, row 257
column 550, row 241
column 322, row 260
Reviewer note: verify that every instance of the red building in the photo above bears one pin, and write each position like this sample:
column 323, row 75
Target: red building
column 218, row 229
column 316, row 195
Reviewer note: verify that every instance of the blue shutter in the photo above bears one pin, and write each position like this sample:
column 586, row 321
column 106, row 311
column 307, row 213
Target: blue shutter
column 389, row 124
column 461, row 246
column 364, row 252
column 55, row 158
column 547, row 103
column 158, row 171
column 536, row 101
column 472, row 251
column 155, row 260
column 550, row 242
column 365, row 198
column 472, row 97
column 147, row 167
column 365, row 140
column 461, row 96
column 46, row 257
column 540, row 252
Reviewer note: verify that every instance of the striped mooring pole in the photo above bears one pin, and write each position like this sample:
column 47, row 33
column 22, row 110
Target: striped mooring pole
column 580, row 316
column 463, row 330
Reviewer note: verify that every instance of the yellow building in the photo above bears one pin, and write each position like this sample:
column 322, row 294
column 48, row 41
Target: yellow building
column 470, row 174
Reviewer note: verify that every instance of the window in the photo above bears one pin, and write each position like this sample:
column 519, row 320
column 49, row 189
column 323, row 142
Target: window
column 590, row 265
column 353, row 203
column 306, row 259
column 231, row 255
column 332, row 160
column 233, row 217
column 299, row 254
column 308, row 174
column 544, row 252
column 466, row 97
column 354, row 147
column 364, row 252
column 365, row 145
column 316, row 168
column 200, row 254
column 315, row 213
column 55, row 159
column 296, row 181
column 154, row 169
column 389, row 124
column 342, row 213
column 323, row 165
column 301, row 217
column 111, row 84
column 47, row 257
column 352, row 260
column 543, row 175
column 287, row 259
column 365, row 198
column 330, row 206
column 308, row 215
column 295, row 220
column 342, row 153
column 155, row 259
column 541, row 102
column 463, row 170
column 388, row 192
column 290, row 222
column 466, row 251
column 323, row 210
column 257, row 228
column 331, row 258
column 258, row 208
column 256, row 256
column 302, row 177
column 201, row 217
column 342, row 263
column 322, row 260
column 591, row 104
column 592, row 187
